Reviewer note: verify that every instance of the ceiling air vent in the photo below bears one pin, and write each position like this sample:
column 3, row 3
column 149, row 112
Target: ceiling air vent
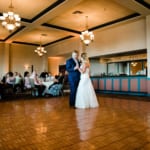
column 77, row 12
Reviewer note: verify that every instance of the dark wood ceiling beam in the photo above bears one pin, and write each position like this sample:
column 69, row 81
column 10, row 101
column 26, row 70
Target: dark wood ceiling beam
column 32, row 44
column 115, row 21
column 96, row 27
column 46, row 10
column 13, row 33
column 144, row 3
column 62, row 39
column 25, row 43
column 60, row 28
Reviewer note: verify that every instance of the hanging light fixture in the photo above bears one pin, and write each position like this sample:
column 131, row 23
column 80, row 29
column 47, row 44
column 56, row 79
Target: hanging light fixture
column 10, row 20
column 86, row 36
column 40, row 50
column 133, row 64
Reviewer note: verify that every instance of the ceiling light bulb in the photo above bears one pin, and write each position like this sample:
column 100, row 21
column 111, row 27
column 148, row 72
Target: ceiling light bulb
column 10, row 27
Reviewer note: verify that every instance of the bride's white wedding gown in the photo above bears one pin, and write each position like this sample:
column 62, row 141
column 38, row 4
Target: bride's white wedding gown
column 85, row 96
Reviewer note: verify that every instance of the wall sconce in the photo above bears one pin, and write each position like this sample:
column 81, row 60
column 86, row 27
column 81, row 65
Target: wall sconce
column 26, row 66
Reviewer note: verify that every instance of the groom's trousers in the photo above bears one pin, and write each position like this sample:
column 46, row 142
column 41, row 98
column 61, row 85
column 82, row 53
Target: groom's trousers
column 73, row 89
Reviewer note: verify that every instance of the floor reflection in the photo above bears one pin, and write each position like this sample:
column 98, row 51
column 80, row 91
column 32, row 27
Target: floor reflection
column 85, row 121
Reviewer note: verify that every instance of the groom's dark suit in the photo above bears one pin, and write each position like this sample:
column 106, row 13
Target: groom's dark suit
column 74, row 77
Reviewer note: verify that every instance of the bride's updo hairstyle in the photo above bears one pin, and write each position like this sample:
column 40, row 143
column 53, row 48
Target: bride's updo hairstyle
column 84, row 57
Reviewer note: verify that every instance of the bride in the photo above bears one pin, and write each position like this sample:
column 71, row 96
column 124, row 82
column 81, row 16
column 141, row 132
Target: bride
column 85, row 96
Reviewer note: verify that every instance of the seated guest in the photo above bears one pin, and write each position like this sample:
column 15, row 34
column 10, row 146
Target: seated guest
column 10, row 79
column 27, row 83
column 49, row 77
column 60, row 78
column 19, row 86
column 10, row 82
column 38, row 84
column 44, row 75
column 3, row 80
column 1, row 90
column 56, row 88
column 56, row 80
column 17, row 77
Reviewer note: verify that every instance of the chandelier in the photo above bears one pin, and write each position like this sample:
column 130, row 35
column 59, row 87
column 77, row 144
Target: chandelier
column 40, row 50
column 133, row 64
column 10, row 20
column 86, row 36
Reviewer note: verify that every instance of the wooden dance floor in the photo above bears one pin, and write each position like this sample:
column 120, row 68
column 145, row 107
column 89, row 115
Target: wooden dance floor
column 120, row 123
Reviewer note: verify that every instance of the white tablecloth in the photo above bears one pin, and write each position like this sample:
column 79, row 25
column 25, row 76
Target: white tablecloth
column 47, row 84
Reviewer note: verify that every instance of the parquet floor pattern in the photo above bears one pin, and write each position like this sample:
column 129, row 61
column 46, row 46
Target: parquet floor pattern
column 120, row 123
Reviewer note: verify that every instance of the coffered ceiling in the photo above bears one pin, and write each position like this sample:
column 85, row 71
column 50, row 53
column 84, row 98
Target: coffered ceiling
column 59, row 20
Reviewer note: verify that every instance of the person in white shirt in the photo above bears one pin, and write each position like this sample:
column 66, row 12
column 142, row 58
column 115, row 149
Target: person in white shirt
column 38, row 84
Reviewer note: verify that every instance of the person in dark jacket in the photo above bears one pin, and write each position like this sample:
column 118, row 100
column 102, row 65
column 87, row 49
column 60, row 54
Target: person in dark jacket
column 72, row 66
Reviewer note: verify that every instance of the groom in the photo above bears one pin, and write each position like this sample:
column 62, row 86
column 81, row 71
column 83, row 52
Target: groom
column 72, row 66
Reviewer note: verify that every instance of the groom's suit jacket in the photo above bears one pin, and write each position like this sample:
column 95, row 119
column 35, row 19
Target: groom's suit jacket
column 70, row 64
column 74, row 77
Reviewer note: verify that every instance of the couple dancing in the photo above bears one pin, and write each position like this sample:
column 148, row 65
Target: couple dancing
column 82, row 94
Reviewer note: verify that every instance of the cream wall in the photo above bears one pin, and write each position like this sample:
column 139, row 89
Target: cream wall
column 1, row 58
column 22, row 55
column 4, row 58
column 1, row 52
column 64, row 47
column 53, row 64
column 128, row 37
column 119, row 38
column 17, row 57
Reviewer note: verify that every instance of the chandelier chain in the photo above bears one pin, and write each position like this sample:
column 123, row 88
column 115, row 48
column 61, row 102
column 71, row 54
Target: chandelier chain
column 86, row 22
column 11, row 6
